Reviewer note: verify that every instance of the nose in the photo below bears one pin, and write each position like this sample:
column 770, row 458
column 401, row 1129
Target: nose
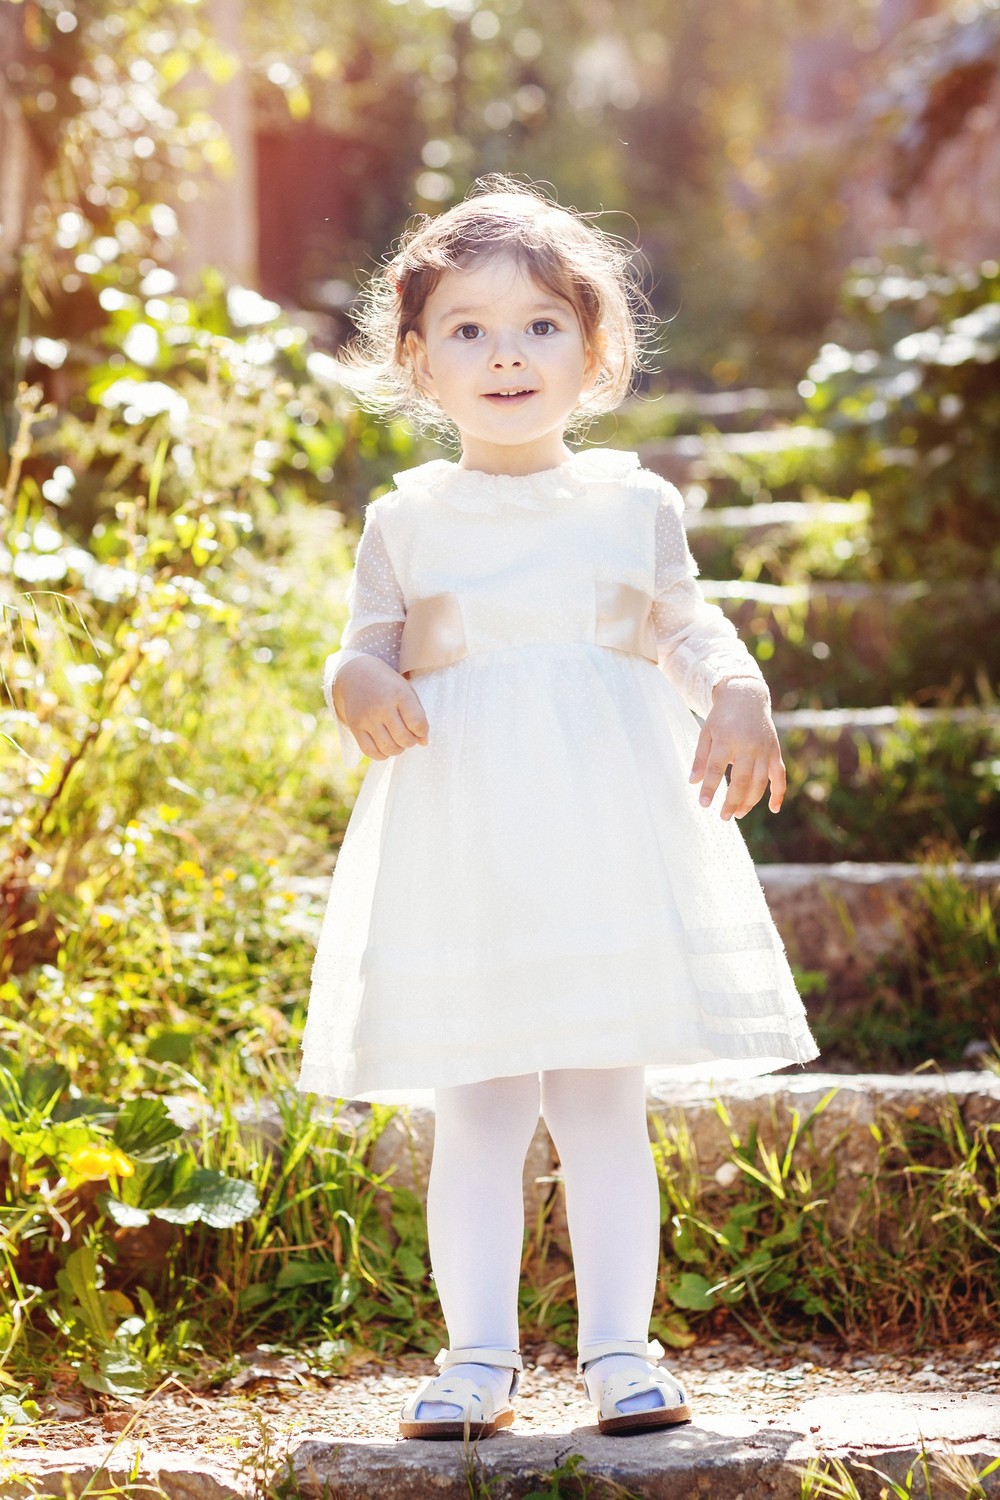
column 506, row 353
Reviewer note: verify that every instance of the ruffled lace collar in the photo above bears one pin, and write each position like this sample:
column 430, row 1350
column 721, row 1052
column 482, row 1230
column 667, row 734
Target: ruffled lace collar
column 474, row 490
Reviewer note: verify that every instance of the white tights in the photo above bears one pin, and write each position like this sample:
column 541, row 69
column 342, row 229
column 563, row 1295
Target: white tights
column 475, row 1211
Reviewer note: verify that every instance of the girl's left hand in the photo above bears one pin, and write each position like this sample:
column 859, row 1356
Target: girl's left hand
column 740, row 732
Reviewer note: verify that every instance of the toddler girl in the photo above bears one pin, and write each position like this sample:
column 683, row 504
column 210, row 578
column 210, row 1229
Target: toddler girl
column 541, row 892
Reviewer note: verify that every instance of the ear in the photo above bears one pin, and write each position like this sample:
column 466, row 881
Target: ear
column 595, row 359
column 417, row 351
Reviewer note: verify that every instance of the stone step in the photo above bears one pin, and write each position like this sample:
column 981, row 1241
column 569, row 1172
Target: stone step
column 723, row 409
column 736, row 1454
column 777, row 515
column 698, row 459
column 832, row 723
column 739, row 1456
column 837, row 919
column 868, row 643
column 766, row 1103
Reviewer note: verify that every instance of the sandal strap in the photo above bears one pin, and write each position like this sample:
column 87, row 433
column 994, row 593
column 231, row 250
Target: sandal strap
column 587, row 1352
column 503, row 1359
column 621, row 1385
column 455, row 1390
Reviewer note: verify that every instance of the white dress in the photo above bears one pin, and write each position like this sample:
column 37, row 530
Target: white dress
column 538, row 886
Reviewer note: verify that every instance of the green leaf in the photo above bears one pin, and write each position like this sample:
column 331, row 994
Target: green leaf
column 172, row 1044
column 411, row 1264
column 305, row 1273
column 18, row 1410
column 211, row 1198
column 78, row 1283
column 691, row 1291
column 118, row 1373
column 144, row 1128
column 684, row 1244
column 125, row 1215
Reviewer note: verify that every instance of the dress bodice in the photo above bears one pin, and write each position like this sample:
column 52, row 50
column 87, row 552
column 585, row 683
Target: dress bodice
column 498, row 560
column 455, row 563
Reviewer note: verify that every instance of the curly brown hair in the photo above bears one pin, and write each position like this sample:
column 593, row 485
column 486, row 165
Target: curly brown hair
column 592, row 270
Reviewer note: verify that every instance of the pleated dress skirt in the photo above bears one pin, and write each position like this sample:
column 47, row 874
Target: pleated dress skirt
column 539, row 887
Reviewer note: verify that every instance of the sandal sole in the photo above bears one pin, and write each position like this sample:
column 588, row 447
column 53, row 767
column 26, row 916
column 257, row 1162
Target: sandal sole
column 640, row 1420
column 454, row 1429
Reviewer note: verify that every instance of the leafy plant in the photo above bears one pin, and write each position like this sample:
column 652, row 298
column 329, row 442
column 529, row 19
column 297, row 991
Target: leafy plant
column 754, row 1242
column 910, row 391
column 73, row 1169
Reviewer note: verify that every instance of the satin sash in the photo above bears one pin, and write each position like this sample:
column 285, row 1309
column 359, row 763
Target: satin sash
column 434, row 632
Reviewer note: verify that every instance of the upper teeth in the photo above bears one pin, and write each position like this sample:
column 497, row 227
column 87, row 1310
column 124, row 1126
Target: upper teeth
column 522, row 390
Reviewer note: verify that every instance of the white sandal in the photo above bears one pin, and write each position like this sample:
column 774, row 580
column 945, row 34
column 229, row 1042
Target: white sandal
column 626, row 1383
column 480, row 1417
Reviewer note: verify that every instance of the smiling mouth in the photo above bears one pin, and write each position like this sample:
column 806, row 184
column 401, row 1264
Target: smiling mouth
column 513, row 395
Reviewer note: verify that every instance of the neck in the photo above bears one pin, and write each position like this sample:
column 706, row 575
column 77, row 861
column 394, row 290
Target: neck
column 532, row 458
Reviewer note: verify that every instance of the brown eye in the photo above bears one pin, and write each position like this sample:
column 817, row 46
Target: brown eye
column 468, row 332
column 543, row 326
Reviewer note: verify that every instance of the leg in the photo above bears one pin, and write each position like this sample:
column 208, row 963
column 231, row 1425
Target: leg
column 475, row 1216
column 597, row 1120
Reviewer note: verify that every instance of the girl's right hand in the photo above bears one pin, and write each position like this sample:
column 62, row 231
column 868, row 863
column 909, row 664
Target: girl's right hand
column 379, row 707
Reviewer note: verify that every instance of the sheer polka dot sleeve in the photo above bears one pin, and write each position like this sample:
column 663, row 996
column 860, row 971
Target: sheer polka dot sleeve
column 698, row 646
column 376, row 612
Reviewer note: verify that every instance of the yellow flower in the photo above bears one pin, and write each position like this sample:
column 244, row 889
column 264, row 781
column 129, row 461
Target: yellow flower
column 229, row 873
column 103, row 920
column 188, row 870
column 270, row 860
column 94, row 1163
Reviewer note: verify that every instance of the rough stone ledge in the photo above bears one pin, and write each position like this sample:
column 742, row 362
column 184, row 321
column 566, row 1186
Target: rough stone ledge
column 839, row 918
column 734, row 1457
column 30, row 1473
column 721, row 1458
column 765, row 1102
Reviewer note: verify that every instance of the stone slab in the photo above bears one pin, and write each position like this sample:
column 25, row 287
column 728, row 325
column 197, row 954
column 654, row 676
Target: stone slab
column 836, row 919
column 723, row 1457
column 30, row 1473
column 737, row 1457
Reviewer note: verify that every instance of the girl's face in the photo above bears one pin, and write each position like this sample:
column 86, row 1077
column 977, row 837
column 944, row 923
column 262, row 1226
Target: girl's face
column 506, row 360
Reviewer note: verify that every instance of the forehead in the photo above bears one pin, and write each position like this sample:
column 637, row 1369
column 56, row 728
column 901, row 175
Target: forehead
column 488, row 281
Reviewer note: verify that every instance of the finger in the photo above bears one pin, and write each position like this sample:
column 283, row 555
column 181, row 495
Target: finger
column 701, row 754
column 367, row 745
column 756, row 786
column 714, row 772
column 739, row 790
column 413, row 716
column 379, row 734
column 779, row 781
column 400, row 730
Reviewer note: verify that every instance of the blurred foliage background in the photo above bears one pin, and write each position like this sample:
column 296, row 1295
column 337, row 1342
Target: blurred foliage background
column 188, row 194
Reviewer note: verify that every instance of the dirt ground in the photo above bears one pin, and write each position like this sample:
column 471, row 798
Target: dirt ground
column 273, row 1400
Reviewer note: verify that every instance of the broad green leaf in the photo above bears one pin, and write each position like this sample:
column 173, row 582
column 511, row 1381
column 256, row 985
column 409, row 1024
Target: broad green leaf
column 78, row 1282
column 118, row 1373
column 211, row 1197
column 144, row 1128
column 18, row 1411
column 691, row 1291
column 123, row 1214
